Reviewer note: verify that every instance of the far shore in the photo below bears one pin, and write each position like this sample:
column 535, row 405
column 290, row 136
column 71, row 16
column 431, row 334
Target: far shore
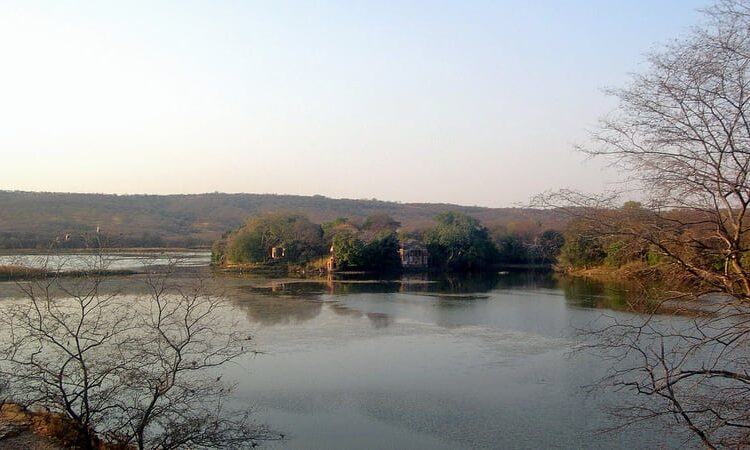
column 47, row 251
column 20, row 273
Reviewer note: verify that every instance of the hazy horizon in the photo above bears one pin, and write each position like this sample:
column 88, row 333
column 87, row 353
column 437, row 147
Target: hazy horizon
column 470, row 103
column 384, row 200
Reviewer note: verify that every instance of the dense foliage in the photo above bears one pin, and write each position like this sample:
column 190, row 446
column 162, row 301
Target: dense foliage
column 455, row 241
column 377, row 254
column 301, row 239
column 372, row 246
column 528, row 247
column 460, row 242
column 583, row 252
column 633, row 236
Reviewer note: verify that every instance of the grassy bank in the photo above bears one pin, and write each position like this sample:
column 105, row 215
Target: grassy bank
column 651, row 288
column 107, row 250
column 664, row 276
column 13, row 273
column 632, row 272
column 8, row 273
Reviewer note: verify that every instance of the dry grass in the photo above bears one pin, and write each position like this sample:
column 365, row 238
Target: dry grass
column 20, row 272
column 639, row 272
column 46, row 430
column 660, row 288
column 10, row 273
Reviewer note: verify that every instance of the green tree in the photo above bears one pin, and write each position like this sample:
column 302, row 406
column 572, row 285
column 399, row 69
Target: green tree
column 460, row 242
column 512, row 250
column 582, row 251
column 246, row 246
column 334, row 227
column 381, row 253
column 252, row 243
column 348, row 250
column 373, row 246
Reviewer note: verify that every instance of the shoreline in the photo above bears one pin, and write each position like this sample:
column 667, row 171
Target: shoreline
column 20, row 273
column 105, row 250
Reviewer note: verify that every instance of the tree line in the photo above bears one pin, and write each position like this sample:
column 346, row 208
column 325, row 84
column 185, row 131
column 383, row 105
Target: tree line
column 456, row 242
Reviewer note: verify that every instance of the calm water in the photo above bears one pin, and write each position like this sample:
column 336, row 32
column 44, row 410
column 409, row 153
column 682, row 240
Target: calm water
column 450, row 363
column 459, row 363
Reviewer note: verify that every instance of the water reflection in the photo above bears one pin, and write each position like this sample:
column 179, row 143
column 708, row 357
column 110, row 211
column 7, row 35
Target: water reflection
column 438, row 284
column 377, row 319
column 289, row 301
column 589, row 293
column 275, row 310
column 479, row 361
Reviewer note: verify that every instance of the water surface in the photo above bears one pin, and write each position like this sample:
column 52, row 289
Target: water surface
column 479, row 362
column 422, row 363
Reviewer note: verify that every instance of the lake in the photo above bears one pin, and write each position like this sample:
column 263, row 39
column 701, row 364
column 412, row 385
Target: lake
column 466, row 363
column 418, row 362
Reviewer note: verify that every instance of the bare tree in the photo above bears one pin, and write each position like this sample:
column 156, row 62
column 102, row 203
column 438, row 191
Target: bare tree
column 681, row 134
column 54, row 355
column 138, row 370
column 171, row 403
column 691, row 373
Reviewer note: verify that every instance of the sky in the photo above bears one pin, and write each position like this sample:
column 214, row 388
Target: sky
column 468, row 102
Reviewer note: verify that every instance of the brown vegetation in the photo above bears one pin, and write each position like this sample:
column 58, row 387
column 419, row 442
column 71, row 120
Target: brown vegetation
column 22, row 428
column 16, row 273
column 32, row 219
column 8, row 273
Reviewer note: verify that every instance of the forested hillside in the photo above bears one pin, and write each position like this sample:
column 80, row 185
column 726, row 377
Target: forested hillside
column 35, row 219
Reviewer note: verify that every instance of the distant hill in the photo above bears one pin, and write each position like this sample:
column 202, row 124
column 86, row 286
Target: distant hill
column 33, row 219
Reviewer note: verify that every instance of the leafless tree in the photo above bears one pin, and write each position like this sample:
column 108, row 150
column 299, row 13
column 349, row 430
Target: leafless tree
column 137, row 370
column 681, row 134
column 691, row 373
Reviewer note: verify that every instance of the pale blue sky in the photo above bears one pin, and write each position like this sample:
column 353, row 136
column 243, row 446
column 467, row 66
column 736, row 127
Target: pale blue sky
column 471, row 102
